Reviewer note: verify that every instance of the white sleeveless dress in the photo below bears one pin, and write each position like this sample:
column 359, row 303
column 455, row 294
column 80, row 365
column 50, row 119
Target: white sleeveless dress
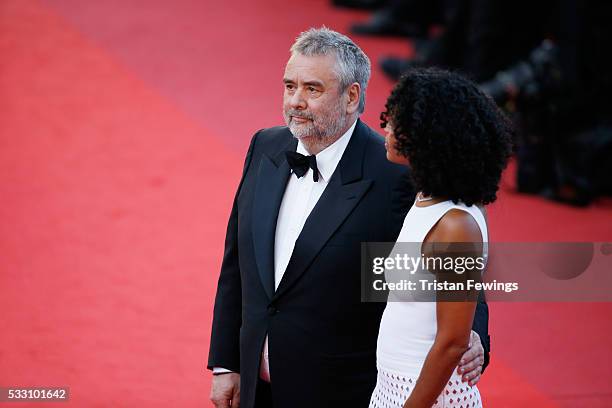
column 408, row 329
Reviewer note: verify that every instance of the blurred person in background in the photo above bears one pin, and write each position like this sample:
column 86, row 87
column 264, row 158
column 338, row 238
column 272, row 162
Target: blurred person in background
column 559, row 94
column 546, row 62
column 404, row 18
column 477, row 37
column 359, row 4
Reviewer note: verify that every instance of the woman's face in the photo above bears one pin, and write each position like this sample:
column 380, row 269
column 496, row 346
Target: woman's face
column 392, row 154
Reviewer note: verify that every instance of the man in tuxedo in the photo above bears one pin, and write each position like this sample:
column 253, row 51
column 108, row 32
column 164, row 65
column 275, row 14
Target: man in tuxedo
column 289, row 328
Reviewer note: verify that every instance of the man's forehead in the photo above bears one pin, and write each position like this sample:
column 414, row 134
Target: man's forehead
column 321, row 67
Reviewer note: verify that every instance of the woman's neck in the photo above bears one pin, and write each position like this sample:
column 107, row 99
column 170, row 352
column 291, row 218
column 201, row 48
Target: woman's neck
column 426, row 201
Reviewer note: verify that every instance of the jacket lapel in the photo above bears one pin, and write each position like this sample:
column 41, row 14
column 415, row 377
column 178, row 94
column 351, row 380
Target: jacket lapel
column 344, row 191
column 272, row 177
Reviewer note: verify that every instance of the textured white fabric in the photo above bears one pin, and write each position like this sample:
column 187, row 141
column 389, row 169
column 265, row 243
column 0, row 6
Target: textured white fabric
column 408, row 328
column 392, row 391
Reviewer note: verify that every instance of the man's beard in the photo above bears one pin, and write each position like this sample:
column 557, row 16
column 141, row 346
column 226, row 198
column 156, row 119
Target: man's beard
column 323, row 127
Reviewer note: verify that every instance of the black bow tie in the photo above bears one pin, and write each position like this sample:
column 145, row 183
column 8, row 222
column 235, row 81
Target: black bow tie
column 300, row 164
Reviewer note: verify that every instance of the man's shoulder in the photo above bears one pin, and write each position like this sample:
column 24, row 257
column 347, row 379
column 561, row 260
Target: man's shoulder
column 272, row 137
column 395, row 176
column 376, row 153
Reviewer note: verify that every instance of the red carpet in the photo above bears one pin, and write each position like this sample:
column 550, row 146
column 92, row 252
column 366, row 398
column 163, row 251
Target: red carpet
column 122, row 132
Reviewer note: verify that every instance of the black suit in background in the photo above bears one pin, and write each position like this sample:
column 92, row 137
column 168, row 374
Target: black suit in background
column 322, row 338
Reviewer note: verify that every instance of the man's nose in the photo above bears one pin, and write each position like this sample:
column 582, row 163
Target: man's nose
column 297, row 100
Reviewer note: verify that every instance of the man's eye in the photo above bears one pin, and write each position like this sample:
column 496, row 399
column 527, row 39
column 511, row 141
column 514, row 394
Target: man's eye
column 289, row 87
column 311, row 89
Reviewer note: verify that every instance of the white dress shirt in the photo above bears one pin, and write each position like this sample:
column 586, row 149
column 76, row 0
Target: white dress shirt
column 301, row 195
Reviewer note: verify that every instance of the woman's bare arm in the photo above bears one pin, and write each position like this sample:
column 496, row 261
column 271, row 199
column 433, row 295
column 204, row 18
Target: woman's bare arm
column 454, row 319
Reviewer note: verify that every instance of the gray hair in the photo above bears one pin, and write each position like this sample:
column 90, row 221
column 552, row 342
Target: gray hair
column 353, row 64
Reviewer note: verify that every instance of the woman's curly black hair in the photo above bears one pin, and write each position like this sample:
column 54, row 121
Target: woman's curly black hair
column 455, row 137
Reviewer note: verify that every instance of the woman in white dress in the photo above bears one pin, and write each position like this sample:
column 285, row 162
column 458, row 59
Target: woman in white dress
column 457, row 143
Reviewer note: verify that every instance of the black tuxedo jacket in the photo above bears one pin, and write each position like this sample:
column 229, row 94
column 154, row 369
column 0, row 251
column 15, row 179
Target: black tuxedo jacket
column 321, row 337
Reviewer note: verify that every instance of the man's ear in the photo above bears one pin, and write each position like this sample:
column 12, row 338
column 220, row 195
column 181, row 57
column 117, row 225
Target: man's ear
column 353, row 95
